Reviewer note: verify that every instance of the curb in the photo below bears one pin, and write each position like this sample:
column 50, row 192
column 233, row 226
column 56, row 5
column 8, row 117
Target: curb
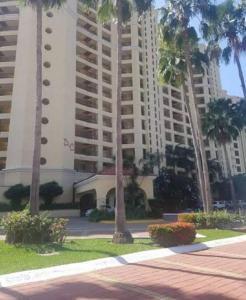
column 109, row 262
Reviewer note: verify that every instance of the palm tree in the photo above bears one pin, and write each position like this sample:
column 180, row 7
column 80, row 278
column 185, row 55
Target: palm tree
column 181, row 43
column 150, row 161
column 38, row 5
column 228, row 24
column 120, row 10
column 221, row 124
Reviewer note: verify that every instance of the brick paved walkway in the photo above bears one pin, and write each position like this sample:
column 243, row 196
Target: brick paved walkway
column 218, row 273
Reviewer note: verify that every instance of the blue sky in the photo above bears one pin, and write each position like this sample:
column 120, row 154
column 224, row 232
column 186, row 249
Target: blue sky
column 229, row 74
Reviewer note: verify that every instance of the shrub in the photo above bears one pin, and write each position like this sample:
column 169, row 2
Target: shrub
column 135, row 213
column 48, row 191
column 21, row 227
column 54, row 206
column 15, row 194
column 98, row 215
column 216, row 219
column 174, row 234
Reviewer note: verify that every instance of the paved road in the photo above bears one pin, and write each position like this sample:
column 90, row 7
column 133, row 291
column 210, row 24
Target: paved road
column 81, row 227
column 215, row 274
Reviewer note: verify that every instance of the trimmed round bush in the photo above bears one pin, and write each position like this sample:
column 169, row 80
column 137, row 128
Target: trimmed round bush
column 98, row 215
column 173, row 234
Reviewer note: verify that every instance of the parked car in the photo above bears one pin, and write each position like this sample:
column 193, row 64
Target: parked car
column 219, row 205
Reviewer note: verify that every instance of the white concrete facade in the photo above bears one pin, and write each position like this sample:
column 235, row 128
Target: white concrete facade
column 79, row 92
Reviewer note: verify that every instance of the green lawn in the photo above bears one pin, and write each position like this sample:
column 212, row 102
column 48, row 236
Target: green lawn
column 19, row 258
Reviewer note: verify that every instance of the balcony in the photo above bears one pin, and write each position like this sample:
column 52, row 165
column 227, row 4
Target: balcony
column 178, row 128
column 128, row 138
column 107, row 152
column 86, row 70
column 127, row 96
column 107, row 137
column 126, row 55
column 86, row 41
column 127, row 82
column 127, row 110
column 5, row 107
column 107, row 121
column 127, row 124
column 86, row 132
column 106, row 64
column 89, row 14
column 4, row 125
column 8, row 40
column 106, row 50
column 9, row 26
column 2, row 163
column 177, row 105
column 107, row 107
column 126, row 42
column 178, row 117
column 106, row 78
column 107, row 92
column 6, row 89
column 179, row 139
column 86, row 26
column 126, row 68
column 106, row 37
column 86, row 55
column 7, row 56
column 86, row 100
column 3, row 144
column 85, row 149
column 86, row 85
column 9, row 8
column 126, row 29
column 176, row 94
column 86, row 116
column 85, row 166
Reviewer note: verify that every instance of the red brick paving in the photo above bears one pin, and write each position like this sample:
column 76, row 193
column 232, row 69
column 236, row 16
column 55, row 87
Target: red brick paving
column 215, row 274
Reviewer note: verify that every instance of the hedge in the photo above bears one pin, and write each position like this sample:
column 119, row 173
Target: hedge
column 216, row 219
column 174, row 234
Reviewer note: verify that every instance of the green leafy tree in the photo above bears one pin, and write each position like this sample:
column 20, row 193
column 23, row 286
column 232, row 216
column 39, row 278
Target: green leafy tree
column 179, row 52
column 16, row 194
column 38, row 5
column 222, row 124
column 227, row 24
column 48, row 191
column 120, row 11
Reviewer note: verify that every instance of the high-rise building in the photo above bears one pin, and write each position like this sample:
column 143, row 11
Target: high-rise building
column 79, row 96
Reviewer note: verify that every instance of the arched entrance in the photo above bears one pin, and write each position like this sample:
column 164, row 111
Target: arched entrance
column 88, row 200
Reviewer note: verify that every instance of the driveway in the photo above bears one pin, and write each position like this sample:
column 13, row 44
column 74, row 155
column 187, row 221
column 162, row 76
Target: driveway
column 80, row 227
column 215, row 274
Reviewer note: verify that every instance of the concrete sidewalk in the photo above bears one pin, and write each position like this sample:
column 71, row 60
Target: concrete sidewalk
column 217, row 273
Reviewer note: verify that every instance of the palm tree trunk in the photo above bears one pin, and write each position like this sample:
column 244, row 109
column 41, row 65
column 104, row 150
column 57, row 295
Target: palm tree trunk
column 232, row 188
column 121, row 234
column 34, row 195
column 198, row 128
column 197, row 152
column 240, row 72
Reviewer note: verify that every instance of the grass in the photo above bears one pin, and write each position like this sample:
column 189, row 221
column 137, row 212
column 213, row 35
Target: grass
column 19, row 258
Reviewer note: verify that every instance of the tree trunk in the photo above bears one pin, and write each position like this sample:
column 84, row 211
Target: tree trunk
column 197, row 152
column 232, row 188
column 121, row 234
column 240, row 72
column 198, row 129
column 34, row 195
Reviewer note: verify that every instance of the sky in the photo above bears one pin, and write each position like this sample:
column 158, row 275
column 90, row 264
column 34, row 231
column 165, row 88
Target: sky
column 229, row 73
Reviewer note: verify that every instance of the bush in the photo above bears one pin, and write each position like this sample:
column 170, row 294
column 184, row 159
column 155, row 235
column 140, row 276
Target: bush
column 98, row 215
column 15, row 194
column 21, row 227
column 216, row 219
column 136, row 213
column 174, row 234
column 48, row 191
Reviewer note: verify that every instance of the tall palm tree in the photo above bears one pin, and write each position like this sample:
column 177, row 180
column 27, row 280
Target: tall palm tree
column 121, row 11
column 228, row 24
column 221, row 124
column 179, row 52
column 38, row 5
column 150, row 161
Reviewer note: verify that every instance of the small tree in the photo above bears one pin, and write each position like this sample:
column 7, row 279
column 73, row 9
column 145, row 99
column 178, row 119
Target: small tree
column 48, row 191
column 16, row 194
